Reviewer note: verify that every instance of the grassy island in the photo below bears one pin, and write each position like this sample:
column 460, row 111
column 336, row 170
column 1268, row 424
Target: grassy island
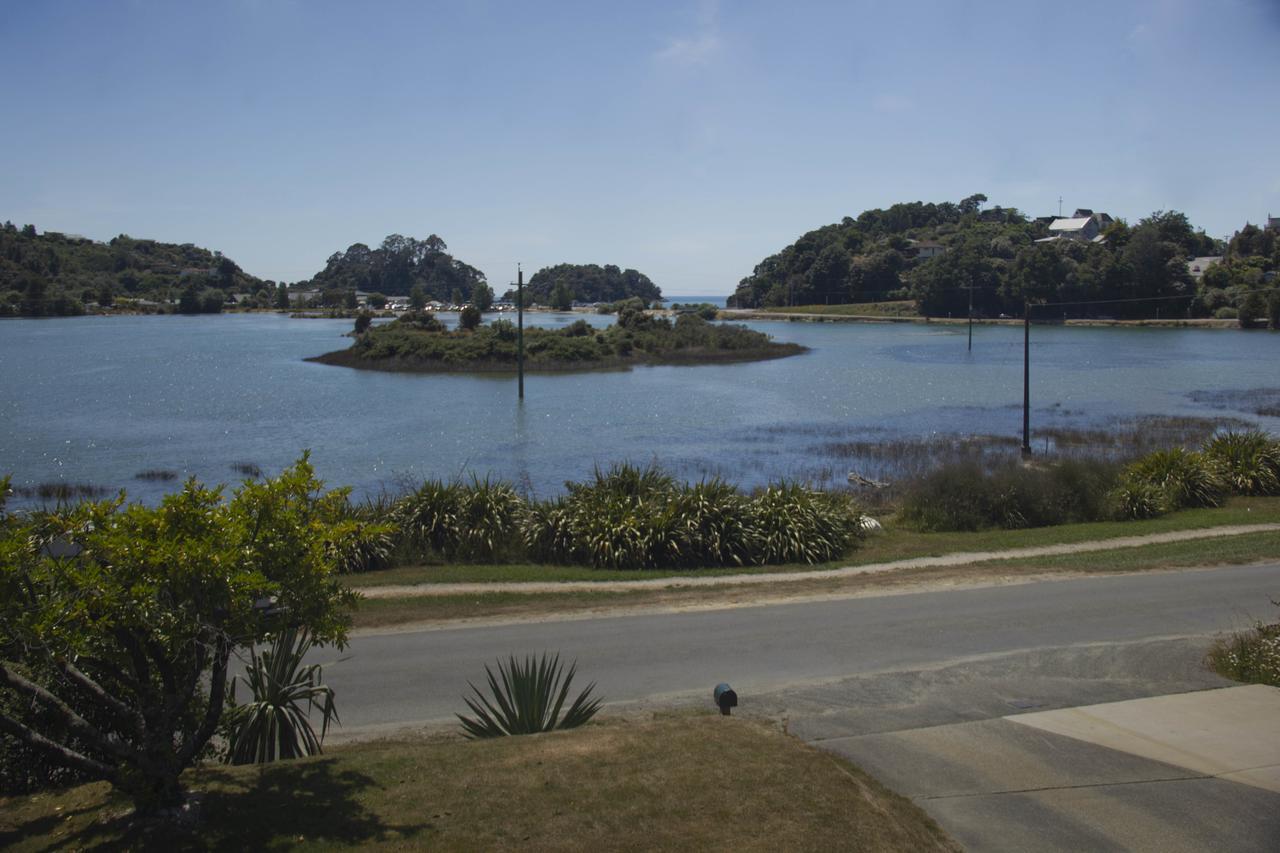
column 418, row 342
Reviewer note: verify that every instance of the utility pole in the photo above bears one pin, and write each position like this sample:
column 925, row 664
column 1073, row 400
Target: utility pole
column 970, row 315
column 1026, row 380
column 1059, row 207
column 520, row 328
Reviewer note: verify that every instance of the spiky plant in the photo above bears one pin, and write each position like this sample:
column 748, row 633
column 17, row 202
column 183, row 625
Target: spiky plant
column 274, row 724
column 1187, row 478
column 1248, row 461
column 526, row 697
column 798, row 525
column 1136, row 499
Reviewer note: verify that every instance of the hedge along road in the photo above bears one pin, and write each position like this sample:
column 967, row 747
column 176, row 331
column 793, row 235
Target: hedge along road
column 394, row 680
column 957, row 559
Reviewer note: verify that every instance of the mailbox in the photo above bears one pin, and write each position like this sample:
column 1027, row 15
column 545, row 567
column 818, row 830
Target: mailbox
column 725, row 698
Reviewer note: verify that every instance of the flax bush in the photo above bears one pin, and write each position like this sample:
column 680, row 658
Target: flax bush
column 1249, row 462
column 1185, row 478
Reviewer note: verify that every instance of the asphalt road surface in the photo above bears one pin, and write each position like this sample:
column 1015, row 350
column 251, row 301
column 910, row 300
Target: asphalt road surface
column 405, row 678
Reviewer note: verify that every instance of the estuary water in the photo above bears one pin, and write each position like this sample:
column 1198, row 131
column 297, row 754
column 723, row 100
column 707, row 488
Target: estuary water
column 99, row 400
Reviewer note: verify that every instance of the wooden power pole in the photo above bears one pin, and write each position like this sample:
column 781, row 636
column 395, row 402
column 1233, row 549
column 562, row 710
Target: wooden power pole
column 520, row 328
column 1026, row 381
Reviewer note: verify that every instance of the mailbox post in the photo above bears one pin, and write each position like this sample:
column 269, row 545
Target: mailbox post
column 725, row 697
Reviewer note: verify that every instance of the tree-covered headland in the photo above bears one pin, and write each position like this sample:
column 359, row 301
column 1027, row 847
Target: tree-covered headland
column 564, row 284
column 53, row 274
column 937, row 254
column 417, row 341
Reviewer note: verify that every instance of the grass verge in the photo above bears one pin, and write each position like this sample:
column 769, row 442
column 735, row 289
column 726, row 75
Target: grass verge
column 895, row 543
column 661, row 784
column 385, row 613
column 1251, row 656
column 901, row 308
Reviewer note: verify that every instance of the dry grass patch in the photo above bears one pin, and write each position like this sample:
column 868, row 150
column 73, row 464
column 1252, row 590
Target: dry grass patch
column 690, row 782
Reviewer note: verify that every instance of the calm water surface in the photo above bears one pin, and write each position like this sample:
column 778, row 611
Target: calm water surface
column 99, row 400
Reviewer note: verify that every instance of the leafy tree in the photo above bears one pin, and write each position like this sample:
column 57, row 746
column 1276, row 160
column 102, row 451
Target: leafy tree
column 212, row 300
column 1252, row 310
column 1273, row 309
column 377, row 300
column 482, row 296
column 282, row 296
column 106, row 296
column 117, row 623
column 189, row 302
column 456, row 297
column 561, row 297
column 349, row 300
column 363, row 321
column 35, row 302
column 417, row 298
column 469, row 318
column 590, row 283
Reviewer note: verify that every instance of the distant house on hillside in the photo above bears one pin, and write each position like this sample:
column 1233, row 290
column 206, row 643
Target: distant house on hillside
column 1197, row 266
column 1084, row 225
column 926, row 249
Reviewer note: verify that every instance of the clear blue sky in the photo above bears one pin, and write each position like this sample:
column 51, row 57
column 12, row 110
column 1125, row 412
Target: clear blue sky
column 685, row 139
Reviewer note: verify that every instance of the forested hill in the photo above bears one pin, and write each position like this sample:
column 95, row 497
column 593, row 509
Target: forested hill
column 396, row 267
column 53, row 273
column 934, row 253
column 591, row 283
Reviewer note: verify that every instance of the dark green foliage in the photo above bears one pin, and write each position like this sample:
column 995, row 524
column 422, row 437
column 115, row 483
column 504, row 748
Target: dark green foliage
column 65, row 267
column 418, row 341
column 274, row 724
column 1249, row 462
column 526, row 698
column 969, row 497
column 561, row 297
column 400, row 266
column 363, row 321
column 469, row 318
column 590, row 283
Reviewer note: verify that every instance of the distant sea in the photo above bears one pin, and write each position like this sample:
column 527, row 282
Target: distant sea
column 716, row 300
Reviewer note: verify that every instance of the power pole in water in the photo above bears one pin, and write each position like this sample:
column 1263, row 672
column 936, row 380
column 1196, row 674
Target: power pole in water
column 1026, row 381
column 520, row 328
column 971, row 316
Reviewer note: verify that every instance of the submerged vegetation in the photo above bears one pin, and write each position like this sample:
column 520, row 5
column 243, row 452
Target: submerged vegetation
column 418, row 342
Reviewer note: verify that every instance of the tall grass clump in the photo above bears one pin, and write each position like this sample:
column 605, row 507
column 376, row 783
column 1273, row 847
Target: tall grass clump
column 630, row 517
column 968, row 496
column 460, row 521
column 1249, row 462
column 798, row 525
column 1184, row 478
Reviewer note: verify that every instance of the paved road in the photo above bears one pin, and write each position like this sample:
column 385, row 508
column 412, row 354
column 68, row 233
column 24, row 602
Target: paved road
column 412, row 677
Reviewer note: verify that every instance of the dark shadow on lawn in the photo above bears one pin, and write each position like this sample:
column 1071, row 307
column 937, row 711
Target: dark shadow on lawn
column 282, row 805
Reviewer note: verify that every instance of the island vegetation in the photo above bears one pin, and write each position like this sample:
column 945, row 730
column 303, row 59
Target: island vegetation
column 400, row 266
column 938, row 256
column 52, row 274
column 418, row 342
column 564, row 284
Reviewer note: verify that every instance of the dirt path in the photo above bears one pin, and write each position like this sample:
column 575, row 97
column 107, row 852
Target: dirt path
column 957, row 559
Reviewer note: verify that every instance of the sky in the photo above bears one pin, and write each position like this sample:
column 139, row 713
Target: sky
column 688, row 140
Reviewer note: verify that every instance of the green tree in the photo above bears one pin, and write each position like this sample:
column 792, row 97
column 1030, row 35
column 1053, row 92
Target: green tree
column 1273, row 309
column 377, row 300
column 561, row 297
column 469, row 318
column 482, row 296
column 363, row 321
column 456, row 298
column 106, row 296
column 117, row 623
column 282, row 296
column 350, row 300
column 1253, row 310
column 417, row 299
column 189, row 302
column 35, row 298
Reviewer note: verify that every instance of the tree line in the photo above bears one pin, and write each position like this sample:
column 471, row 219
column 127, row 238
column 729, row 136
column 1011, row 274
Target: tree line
column 998, row 257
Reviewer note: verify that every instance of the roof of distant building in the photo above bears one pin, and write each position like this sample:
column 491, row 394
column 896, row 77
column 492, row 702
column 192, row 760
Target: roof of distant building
column 1072, row 224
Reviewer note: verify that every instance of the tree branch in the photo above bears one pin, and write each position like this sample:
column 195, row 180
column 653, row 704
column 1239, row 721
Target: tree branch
column 64, row 755
column 75, row 723
column 217, row 694
column 126, row 714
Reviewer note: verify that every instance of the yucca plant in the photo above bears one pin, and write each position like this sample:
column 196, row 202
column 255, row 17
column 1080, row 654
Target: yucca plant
column 1248, row 461
column 525, row 697
column 274, row 724
column 798, row 525
column 1187, row 478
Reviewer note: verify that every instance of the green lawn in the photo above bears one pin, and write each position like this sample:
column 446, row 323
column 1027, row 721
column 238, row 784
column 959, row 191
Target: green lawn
column 681, row 782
